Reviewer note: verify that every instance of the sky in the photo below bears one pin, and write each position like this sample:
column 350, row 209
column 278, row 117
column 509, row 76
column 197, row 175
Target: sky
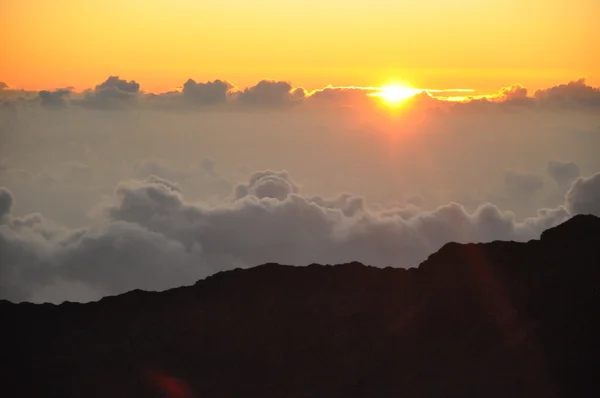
column 146, row 145
column 477, row 44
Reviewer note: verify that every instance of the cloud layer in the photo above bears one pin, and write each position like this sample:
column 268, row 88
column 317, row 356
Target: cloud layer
column 118, row 93
column 115, row 188
column 151, row 237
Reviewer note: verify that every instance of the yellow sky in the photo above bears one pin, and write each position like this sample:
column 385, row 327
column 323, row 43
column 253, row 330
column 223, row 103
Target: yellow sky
column 480, row 44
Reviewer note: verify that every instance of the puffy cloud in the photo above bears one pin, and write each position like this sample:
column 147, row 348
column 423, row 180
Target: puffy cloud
column 516, row 92
column 110, row 257
column 341, row 95
column 54, row 99
column 141, row 200
column 114, row 82
column 208, row 93
column 269, row 93
column 584, row 196
column 120, row 256
column 522, row 184
column 274, row 222
column 267, row 184
column 152, row 238
column 117, row 93
column 575, row 93
column 563, row 173
column 350, row 205
column 113, row 93
column 297, row 94
column 183, row 207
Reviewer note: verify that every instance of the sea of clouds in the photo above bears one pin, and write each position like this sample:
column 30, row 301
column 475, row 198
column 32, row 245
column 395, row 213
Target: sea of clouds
column 115, row 188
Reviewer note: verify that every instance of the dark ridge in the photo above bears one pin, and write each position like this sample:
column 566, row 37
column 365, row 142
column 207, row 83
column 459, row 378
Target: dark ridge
column 501, row 319
column 578, row 227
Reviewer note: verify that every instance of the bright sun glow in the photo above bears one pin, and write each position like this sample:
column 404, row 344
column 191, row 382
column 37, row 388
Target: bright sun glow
column 395, row 94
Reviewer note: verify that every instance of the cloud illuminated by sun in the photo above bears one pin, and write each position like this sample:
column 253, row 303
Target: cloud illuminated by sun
column 395, row 94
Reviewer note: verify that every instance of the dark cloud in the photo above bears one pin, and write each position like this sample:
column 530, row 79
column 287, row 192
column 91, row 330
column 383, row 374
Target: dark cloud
column 209, row 93
column 54, row 99
column 563, row 173
column 574, row 94
column 116, row 83
column 269, row 93
column 113, row 93
column 522, row 184
column 6, row 202
column 117, row 93
column 17, row 97
column 584, row 196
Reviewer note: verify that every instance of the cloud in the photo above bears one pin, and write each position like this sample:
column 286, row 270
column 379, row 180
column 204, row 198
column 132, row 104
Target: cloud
column 113, row 93
column 201, row 180
column 117, row 93
column 148, row 167
column 573, row 94
column 513, row 93
column 209, row 93
column 116, row 256
column 269, row 93
column 54, row 99
column 273, row 221
column 176, row 175
column 17, row 97
column 563, row 173
column 522, row 184
column 6, row 201
column 153, row 238
column 267, row 184
column 116, row 83
column 584, row 196
column 341, row 95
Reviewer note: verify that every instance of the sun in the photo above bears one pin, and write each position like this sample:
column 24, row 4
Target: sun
column 395, row 94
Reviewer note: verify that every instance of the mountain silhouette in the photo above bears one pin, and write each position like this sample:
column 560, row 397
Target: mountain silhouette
column 500, row 319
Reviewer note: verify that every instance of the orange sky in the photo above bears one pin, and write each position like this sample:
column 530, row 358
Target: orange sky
column 480, row 44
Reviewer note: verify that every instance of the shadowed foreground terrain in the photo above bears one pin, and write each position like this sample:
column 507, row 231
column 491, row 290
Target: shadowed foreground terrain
column 501, row 319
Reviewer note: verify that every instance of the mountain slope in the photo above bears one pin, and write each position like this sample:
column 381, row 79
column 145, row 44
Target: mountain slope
column 501, row 319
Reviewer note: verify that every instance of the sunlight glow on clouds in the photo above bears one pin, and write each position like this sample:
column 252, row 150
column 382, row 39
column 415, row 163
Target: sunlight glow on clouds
column 115, row 188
